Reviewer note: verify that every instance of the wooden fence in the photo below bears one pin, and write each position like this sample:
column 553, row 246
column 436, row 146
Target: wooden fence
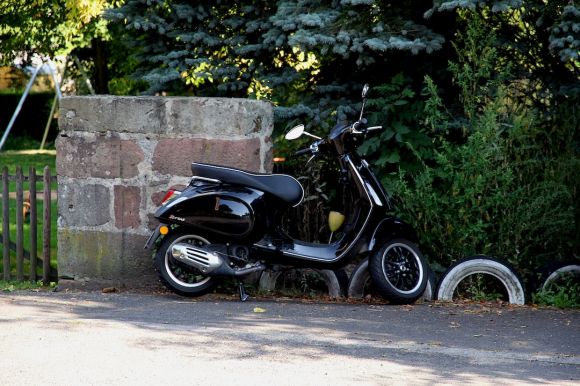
column 27, row 208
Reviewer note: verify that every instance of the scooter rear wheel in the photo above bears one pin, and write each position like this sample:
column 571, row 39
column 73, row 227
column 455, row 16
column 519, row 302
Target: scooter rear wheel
column 178, row 277
column 398, row 271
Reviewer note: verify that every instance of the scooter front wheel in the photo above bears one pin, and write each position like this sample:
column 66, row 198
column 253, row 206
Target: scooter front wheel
column 178, row 277
column 399, row 271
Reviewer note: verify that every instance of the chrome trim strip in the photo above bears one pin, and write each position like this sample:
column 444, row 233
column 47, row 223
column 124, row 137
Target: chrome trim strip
column 203, row 179
column 373, row 194
column 373, row 238
column 176, row 201
column 364, row 185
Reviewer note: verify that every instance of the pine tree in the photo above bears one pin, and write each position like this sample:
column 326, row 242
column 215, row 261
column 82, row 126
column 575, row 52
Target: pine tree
column 280, row 50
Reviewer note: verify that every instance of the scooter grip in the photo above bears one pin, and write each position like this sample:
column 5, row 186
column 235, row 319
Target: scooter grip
column 303, row 151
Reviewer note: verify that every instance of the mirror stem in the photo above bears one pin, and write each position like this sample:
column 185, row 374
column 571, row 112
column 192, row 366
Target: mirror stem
column 311, row 135
column 362, row 109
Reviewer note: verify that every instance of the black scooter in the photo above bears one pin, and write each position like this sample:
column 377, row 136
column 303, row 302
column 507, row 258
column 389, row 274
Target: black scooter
column 227, row 223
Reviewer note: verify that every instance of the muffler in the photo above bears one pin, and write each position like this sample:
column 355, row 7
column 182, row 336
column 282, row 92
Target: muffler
column 210, row 262
column 205, row 261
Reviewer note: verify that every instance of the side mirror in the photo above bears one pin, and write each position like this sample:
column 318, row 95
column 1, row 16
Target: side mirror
column 295, row 132
column 365, row 90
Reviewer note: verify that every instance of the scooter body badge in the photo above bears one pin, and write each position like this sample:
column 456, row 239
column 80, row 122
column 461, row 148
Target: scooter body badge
column 172, row 217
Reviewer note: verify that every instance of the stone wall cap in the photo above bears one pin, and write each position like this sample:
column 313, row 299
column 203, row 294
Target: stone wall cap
column 167, row 115
column 161, row 98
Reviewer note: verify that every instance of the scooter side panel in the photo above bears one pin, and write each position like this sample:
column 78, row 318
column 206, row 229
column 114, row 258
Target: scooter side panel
column 218, row 208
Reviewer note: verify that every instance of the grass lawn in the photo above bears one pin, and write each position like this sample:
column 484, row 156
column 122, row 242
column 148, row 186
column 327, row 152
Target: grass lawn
column 38, row 160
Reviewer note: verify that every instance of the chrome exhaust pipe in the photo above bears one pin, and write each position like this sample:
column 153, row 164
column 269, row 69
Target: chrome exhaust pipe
column 205, row 261
column 210, row 263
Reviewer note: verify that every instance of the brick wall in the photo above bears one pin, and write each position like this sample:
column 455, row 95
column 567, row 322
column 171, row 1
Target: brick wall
column 116, row 157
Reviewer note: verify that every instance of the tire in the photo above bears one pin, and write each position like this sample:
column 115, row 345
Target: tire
column 398, row 271
column 555, row 273
column 484, row 265
column 360, row 277
column 178, row 277
column 430, row 290
column 334, row 280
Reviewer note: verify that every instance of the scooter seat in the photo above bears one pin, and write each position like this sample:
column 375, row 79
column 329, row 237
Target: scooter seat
column 285, row 187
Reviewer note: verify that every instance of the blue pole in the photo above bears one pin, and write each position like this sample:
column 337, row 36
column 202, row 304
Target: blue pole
column 28, row 86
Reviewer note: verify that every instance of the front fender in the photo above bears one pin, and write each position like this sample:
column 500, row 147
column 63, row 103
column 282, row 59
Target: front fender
column 392, row 228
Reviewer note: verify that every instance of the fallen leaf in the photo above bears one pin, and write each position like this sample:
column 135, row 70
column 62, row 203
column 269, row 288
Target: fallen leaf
column 259, row 310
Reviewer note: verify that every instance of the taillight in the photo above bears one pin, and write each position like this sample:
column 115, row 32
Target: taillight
column 171, row 195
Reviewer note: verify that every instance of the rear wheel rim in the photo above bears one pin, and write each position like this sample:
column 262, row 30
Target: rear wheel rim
column 402, row 268
column 180, row 273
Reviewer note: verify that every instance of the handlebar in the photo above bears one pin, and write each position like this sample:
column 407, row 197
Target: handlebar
column 372, row 128
column 303, row 151
column 354, row 128
column 314, row 148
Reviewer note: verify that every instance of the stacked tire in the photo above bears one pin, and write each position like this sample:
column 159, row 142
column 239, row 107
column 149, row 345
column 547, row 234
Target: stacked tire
column 486, row 265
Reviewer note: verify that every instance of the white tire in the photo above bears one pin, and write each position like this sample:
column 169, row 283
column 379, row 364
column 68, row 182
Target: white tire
column 481, row 265
column 567, row 270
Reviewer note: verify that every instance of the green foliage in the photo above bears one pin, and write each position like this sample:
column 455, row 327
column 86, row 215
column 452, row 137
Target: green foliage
column 21, row 30
column 481, row 288
column 31, row 121
column 49, row 27
column 453, row 203
column 564, row 295
column 21, row 142
column 401, row 143
column 539, row 42
column 475, row 67
column 310, row 58
column 11, row 286
column 565, row 35
column 36, row 159
column 302, row 281
column 320, row 196
column 472, row 202
column 25, row 160
column 493, row 187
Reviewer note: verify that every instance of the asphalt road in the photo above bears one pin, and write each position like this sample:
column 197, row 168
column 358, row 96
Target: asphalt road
column 143, row 339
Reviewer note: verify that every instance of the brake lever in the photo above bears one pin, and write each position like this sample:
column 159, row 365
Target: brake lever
column 314, row 150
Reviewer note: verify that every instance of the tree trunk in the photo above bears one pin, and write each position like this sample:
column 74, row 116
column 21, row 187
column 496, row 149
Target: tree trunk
column 101, row 74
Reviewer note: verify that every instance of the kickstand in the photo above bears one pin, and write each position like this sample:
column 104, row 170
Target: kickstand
column 242, row 291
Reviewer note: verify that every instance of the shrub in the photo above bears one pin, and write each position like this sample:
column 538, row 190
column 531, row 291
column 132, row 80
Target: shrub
column 495, row 185
column 565, row 295
column 472, row 202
